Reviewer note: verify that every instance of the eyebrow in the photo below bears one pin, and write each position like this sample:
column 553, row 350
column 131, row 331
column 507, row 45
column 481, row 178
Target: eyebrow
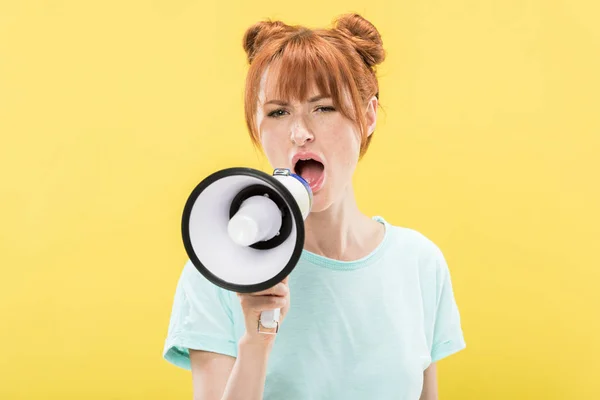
column 311, row 100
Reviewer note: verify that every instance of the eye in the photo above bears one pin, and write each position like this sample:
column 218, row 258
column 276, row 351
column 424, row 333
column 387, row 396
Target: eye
column 325, row 109
column 276, row 113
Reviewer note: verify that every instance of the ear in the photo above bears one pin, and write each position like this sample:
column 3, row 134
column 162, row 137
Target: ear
column 371, row 115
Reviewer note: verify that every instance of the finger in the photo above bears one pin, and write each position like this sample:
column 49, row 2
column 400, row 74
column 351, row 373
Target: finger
column 286, row 307
column 278, row 290
column 263, row 303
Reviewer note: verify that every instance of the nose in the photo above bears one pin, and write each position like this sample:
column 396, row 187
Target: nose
column 301, row 132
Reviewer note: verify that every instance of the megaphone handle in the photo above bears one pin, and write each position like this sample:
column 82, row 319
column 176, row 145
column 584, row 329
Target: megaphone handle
column 270, row 318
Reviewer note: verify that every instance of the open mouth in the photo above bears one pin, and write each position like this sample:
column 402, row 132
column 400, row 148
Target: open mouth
column 312, row 171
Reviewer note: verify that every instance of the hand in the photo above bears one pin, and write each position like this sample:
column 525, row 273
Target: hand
column 254, row 303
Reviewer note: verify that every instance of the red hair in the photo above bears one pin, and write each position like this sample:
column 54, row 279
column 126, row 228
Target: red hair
column 341, row 62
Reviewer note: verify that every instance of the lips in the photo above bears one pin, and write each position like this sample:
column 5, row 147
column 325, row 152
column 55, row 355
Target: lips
column 310, row 167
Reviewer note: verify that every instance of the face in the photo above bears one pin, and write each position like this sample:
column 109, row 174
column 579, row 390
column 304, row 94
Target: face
column 313, row 139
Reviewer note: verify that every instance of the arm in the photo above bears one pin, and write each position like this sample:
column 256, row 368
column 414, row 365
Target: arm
column 429, row 384
column 210, row 372
column 221, row 377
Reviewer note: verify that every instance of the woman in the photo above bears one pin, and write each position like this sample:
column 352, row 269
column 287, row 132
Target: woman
column 373, row 307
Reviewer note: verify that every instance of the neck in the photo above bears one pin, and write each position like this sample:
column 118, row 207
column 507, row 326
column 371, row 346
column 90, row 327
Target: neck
column 342, row 232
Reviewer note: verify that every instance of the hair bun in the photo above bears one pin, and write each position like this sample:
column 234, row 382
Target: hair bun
column 364, row 35
column 256, row 35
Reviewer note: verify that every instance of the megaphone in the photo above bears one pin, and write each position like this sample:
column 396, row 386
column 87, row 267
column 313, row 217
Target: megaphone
column 243, row 229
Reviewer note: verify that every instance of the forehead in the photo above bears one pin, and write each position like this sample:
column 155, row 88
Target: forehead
column 275, row 83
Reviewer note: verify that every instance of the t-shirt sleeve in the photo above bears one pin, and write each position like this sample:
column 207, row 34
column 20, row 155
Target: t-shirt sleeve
column 201, row 319
column 445, row 321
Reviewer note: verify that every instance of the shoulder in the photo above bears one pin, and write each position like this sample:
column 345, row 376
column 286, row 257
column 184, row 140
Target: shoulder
column 414, row 241
column 429, row 273
column 190, row 279
column 194, row 288
column 418, row 251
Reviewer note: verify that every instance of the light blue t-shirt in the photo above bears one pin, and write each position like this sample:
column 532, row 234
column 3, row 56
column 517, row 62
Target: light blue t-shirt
column 365, row 329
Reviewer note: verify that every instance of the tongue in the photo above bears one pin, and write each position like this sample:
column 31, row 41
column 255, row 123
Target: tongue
column 311, row 171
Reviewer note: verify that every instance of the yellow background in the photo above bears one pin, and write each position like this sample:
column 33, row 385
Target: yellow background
column 111, row 112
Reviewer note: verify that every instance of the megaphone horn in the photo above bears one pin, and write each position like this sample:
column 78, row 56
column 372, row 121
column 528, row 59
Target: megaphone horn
column 243, row 229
